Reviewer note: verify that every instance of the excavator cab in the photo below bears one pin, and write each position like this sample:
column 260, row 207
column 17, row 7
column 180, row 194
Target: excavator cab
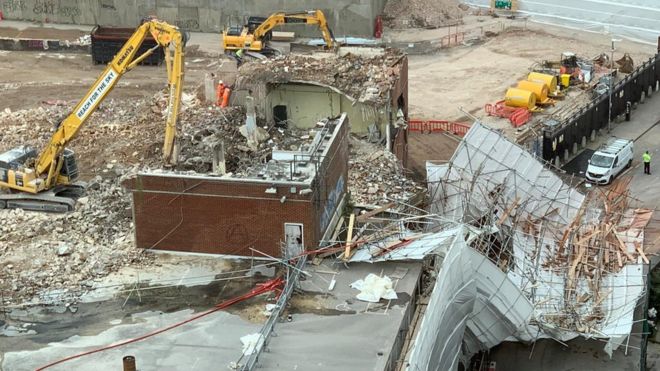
column 69, row 165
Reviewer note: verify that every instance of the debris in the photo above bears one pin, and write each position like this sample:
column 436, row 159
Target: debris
column 626, row 64
column 422, row 13
column 64, row 250
column 269, row 309
column 252, row 343
column 373, row 288
column 376, row 177
column 366, row 79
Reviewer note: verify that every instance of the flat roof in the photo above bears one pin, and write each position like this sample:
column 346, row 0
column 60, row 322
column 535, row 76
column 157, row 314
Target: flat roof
column 331, row 330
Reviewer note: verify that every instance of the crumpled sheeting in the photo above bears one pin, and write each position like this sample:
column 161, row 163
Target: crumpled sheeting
column 373, row 288
column 252, row 343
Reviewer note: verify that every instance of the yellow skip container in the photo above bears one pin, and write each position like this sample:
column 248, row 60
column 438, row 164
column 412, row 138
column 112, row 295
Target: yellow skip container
column 539, row 89
column 549, row 80
column 520, row 98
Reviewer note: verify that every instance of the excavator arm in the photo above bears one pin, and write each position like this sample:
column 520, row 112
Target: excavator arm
column 49, row 162
column 255, row 40
column 308, row 17
column 47, row 183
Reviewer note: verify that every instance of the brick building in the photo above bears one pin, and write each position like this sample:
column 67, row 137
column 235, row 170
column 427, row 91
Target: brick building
column 292, row 201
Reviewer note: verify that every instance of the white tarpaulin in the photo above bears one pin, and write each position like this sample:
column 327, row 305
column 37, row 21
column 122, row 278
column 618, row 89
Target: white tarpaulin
column 373, row 288
column 252, row 343
column 508, row 196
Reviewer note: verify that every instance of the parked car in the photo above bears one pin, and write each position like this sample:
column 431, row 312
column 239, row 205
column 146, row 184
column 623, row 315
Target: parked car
column 610, row 160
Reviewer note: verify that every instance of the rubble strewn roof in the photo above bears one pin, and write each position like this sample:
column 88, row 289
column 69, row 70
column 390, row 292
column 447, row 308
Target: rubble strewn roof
column 366, row 79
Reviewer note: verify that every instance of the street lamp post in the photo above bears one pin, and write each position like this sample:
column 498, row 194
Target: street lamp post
column 609, row 111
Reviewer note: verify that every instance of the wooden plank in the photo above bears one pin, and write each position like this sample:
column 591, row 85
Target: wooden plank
column 587, row 237
column 638, row 247
column 375, row 212
column 623, row 247
column 508, row 211
column 349, row 237
column 618, row 258
column 574, row 264
column 337, row 230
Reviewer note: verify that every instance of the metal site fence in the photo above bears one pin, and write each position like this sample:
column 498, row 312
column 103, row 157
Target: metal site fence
column 582, row 121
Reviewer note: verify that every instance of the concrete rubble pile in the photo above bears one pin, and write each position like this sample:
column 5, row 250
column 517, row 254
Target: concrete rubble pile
column 56, row 256
column 366, row 79
column 422, row 13
column 205, row 127
column 43, row 252
column 376, row 177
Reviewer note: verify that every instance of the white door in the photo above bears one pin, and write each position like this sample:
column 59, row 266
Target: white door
column 293, row 233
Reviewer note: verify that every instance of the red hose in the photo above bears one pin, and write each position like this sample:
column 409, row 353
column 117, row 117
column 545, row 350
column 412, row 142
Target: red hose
column 261, row 288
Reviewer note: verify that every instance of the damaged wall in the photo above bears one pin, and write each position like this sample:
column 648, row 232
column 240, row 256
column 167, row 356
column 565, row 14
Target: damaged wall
column 306, row 104
column 198, row 213
column 346, row 17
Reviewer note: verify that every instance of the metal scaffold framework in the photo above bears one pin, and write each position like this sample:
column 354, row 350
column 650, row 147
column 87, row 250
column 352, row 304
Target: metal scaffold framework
column 576, row 259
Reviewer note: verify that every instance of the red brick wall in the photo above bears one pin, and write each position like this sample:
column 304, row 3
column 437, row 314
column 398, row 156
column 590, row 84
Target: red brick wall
column 213, row 215
column 216, row 216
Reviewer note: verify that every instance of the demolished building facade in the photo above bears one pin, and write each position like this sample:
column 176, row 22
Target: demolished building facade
column 288, row 201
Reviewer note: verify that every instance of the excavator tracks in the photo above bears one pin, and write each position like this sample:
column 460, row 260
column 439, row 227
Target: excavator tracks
column 60, row 200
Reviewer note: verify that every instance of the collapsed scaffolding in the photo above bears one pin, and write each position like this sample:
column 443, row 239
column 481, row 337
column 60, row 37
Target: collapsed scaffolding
column 521, row 254
column 576, row 259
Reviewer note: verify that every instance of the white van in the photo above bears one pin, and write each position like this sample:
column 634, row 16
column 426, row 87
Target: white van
column 610, row 160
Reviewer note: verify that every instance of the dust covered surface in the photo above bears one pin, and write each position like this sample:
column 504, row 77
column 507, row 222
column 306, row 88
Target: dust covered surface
column 422, row 13
column 366, row 79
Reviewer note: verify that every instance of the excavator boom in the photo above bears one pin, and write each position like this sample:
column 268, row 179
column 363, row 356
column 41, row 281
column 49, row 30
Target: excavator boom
column 254, row 39
column 55, row 166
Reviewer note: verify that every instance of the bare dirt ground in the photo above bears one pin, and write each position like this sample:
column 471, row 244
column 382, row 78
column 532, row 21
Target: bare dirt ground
column 471, row 76
column 428, row 146
column 29, row 78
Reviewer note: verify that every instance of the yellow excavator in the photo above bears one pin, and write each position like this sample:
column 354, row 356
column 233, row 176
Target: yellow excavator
column 46, row 181
column 258, row 31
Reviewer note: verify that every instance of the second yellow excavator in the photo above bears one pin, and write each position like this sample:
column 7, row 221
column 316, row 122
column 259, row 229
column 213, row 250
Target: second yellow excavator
column 46, row 181
column 254, row 35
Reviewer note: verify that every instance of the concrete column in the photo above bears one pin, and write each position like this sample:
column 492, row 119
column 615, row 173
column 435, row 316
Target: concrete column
column 643, row 98
column 567, row 154
column 575, row 147
column 584, row 142
column 557, row 162
column 219, row 166
column 650, row 91
column 209, row 88
column 251, row 118
column 593, row 136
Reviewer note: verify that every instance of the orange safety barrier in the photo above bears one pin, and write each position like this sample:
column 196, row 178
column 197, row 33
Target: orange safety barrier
column 517, row 116
column 432, row 126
